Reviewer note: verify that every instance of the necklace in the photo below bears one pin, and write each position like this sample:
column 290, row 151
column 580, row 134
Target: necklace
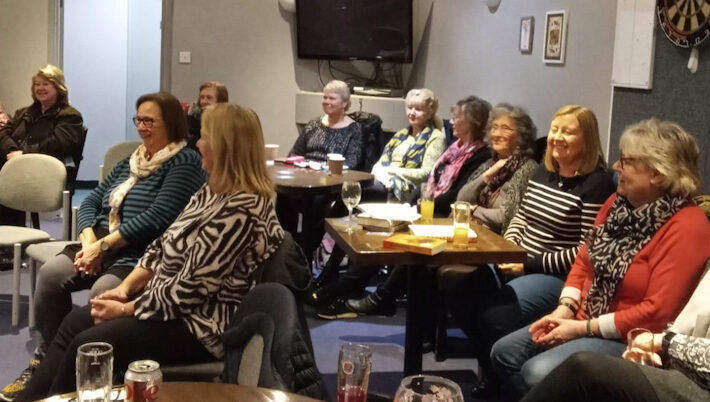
column 561, row 179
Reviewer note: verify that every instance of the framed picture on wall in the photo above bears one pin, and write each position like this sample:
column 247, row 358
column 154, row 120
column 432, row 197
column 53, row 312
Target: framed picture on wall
column 555, row 37
column 526, row 34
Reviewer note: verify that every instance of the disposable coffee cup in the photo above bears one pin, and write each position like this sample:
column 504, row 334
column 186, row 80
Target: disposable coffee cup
column 272, row 152
column 335, row 164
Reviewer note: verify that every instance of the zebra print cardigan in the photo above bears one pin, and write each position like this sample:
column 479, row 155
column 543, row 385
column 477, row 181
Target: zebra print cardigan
column 204, row 261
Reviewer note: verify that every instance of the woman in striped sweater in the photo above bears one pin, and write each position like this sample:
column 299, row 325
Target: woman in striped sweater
column 179, row 298
column 562, row 198
column 136, row 202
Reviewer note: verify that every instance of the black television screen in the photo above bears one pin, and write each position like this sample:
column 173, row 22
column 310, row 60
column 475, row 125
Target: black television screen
column 355, row 30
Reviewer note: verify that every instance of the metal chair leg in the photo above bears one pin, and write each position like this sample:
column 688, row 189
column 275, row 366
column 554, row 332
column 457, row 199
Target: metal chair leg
column 33, row 285
column 16, row 264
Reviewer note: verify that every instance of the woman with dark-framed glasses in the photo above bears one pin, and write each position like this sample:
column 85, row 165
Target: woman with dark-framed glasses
column 134, row 205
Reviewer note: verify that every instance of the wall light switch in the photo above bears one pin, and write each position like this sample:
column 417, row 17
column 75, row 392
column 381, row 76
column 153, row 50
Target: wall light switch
column 185, row 57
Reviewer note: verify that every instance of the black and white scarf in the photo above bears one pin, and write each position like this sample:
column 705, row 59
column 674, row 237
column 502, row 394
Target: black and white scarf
column 613, row 245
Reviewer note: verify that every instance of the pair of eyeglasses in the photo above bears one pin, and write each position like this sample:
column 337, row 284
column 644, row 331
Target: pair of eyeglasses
column 147, row 121
column 503, row 128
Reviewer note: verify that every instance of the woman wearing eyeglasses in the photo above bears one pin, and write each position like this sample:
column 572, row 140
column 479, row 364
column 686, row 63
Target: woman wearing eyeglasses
column 496, row 188
column 133, row 206
column 637, row 267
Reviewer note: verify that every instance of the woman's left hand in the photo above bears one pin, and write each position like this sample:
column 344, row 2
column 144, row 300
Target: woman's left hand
column 89, row 259
column 558, row 331
column 13, row 154
column 512, row 269
column 104, row 309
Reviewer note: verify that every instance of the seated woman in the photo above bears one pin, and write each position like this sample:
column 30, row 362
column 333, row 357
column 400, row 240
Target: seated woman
column 464, row 156
column 411, row 153
column 496, row 188
column 646, row 252
column 334, row 132
column 681, row 356
column 211, row 92
column 3, row 116
column 48, row 126
column 182, row 293
column 136, row 202
column 558, row 208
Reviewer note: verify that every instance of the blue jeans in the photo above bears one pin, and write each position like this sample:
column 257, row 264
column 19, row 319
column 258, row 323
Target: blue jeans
column 487, row 311
column 523, row 364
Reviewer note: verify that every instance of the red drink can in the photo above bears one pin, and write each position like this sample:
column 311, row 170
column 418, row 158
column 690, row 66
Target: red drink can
column 142, row 381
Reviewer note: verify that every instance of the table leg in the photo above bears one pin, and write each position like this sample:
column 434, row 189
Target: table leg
column 415, row 321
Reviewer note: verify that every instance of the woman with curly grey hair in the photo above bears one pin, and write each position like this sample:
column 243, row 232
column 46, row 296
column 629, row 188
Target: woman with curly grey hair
column 496, row 188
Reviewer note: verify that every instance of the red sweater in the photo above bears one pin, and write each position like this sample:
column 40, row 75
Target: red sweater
column 659, row 280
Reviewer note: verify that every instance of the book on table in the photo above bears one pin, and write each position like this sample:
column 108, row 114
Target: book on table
column 415, row 244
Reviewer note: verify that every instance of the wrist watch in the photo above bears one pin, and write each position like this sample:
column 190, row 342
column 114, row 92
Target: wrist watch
column 105, row 246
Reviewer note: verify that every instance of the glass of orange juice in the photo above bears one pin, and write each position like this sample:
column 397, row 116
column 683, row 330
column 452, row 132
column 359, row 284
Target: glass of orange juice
column 426, row 204
column 461, row 211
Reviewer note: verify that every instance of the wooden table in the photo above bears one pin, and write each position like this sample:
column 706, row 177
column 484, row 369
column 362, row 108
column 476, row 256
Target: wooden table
column 208, row 391
column 307, row 183
column 365, row 248
column 295, row 181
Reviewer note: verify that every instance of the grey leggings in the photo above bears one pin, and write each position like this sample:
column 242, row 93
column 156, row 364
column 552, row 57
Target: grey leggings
column 56, row 281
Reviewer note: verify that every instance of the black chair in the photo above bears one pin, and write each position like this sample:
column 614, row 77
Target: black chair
column 373, row 139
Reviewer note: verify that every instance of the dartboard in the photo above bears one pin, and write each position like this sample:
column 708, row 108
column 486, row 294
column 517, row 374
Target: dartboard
column 685, row 22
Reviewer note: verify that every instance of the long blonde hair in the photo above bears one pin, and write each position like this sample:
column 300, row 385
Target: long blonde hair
column 237, row 143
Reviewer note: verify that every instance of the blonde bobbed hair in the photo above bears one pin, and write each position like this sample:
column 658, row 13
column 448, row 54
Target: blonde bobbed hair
column 665, row 147
column 426, row 98
column 592, row 155
column 237, row 143
column 54, row 75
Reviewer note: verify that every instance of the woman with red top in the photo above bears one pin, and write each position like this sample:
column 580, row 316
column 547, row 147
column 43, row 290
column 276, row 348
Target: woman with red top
column 638, row 265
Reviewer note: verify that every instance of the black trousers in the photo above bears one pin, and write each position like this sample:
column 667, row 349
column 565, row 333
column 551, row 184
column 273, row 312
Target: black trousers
column 167, row 342
column 590, row 377
column 11, row 217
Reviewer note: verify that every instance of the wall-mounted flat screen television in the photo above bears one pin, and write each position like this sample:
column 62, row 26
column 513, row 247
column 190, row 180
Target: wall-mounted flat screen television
column 355, row 30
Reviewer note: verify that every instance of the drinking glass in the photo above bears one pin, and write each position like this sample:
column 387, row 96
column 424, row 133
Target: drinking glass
column 94, row 372
column 426, row 204
column 461, row 211
column 425, row 388
column 351, row 197
column 354, row 365
column 641, row 338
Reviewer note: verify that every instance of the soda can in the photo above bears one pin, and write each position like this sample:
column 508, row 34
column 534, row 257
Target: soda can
column 143, row 380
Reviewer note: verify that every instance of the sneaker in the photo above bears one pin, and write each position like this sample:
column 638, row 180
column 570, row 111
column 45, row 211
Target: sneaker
column 12, row 389
column 336, row 310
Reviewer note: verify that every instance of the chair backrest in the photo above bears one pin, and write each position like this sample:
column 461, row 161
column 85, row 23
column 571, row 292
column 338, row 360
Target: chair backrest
column 73, row 162
column 265, row 344
column 33, row 183
column 115, row 154
column 373, row 139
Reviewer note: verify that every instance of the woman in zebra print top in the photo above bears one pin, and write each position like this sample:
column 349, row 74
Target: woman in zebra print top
column 561, row 201
column 176, row 303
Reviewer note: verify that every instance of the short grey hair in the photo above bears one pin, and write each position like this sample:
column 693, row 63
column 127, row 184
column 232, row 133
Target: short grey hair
column 665, row 147
column 341, row 89
column 525, row 128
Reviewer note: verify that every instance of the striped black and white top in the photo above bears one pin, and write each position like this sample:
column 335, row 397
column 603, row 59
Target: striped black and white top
column 554, row 216
column 204, row 261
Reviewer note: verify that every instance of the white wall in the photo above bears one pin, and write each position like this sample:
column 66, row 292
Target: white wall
column 24, row 30
column 249, row 45
column 111, row 56
column 471, row 51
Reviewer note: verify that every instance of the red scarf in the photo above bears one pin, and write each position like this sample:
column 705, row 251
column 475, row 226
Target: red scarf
column 447, row 167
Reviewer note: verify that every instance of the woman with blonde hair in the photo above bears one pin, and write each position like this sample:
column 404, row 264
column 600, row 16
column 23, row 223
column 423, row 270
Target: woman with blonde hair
column 562, row 198
column 181, row 295
column 48, row 126
column 637, row 267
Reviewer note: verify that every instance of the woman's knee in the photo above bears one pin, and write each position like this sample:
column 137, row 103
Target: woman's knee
column 103, row 283
column 55, row 273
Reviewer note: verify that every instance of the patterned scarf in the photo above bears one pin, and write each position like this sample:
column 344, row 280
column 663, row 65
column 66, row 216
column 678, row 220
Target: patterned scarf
column 514, row 162
column 141, row 167
column 412, row 159
column 614, row 244
column 448, row 166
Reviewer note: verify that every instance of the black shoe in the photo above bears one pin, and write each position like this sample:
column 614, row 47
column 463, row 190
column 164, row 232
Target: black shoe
column 11, row 390
column 373, row 304
column 336, row 310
